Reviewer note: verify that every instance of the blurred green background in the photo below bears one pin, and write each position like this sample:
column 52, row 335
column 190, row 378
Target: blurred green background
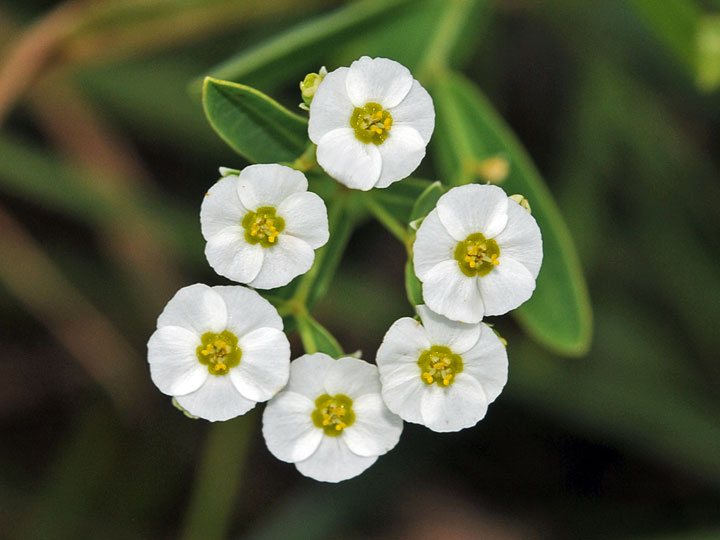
column 104, row 158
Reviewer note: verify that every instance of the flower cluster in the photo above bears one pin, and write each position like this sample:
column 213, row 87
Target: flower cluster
column 218, row 351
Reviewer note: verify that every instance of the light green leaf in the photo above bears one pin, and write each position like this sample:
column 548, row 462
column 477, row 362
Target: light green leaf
column 316, row 338
column 708, row 75
column 469, row 130
column 254, row 125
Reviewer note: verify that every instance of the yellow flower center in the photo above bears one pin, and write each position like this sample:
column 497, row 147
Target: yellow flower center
column 439, row 365
column 219, row 352
column 371, row 123
column 477, row 255
column 333, row 413
column 263, row 226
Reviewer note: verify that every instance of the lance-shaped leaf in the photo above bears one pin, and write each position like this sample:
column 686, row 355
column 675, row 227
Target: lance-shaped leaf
column 469, row 130
column 254, row 125
column 316, row 337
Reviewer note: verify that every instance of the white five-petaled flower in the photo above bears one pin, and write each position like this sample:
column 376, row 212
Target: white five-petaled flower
column 442, row 374
column 262, row 226
column 477, row 253
column 371, row 123
column 330, row 420
column 219, row 350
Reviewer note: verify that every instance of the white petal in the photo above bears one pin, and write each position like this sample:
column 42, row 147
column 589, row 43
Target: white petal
column 416, row 111
column 264, row 366
column 487, row 362
column 520, row 239
column 352, row 377
column 461, row 405
column 221, row 207
column 449, row 292
column 375, row 430
column 195, row 307
column 247, row 310
column 348, row 160
column 216, row 400
column 284, row 261
column 433, row 245
column 307, row 375
column 305, row 218
column 288, row 429
column 458, row 337
column 268, row 185
column 331, row 107
column 174, row 365
column 230, row 255
column 333, row 461
column 402, row 391
column 507, row 286
column 403, row 343
column 473, row 208
column 377, row 80
column 401, row 154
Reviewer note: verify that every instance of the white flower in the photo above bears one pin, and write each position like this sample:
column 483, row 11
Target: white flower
column 442, row 374
column 219, row 350
column 477, row 253
column 330, row 420
column 371, row 123
column 262, row 225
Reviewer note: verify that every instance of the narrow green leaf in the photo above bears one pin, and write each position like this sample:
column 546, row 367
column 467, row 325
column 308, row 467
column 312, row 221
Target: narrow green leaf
column 708, row 69
column 468, row 130
column 316, row 338
column 254, row 125
column 413, row 287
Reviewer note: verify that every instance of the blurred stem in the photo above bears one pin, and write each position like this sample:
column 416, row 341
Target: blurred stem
column 218, row 480
column 32, row 277
column 390, row 222
column 441, row 43
column 307, row 161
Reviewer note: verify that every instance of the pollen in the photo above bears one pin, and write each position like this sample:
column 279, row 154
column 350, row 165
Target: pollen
column 333, row 414
column 439, row 365
column 371, row 123
column 263, row 226
column 219, row 352
column 477, row 255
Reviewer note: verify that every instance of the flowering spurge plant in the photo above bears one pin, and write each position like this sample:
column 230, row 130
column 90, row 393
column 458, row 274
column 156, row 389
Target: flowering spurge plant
column 263, row 225
column 371, row 123
column 441, row 373
column 218, row 351
column 477, row 253
column 330, row 420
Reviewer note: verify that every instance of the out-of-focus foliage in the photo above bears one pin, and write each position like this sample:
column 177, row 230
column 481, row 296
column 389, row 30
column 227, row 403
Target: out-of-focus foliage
column 105, row 157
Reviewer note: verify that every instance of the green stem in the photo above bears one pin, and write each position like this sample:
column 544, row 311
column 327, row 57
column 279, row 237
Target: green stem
column 389, row 221
column 307, row 160
column 306, row 335
column 217, row 484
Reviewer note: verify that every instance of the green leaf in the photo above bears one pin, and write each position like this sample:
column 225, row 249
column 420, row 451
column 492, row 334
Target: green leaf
column 254, row 125
column 306, row 46
column 316, row 338
column 708, row 69
column 468, row 130
column 413, row 287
